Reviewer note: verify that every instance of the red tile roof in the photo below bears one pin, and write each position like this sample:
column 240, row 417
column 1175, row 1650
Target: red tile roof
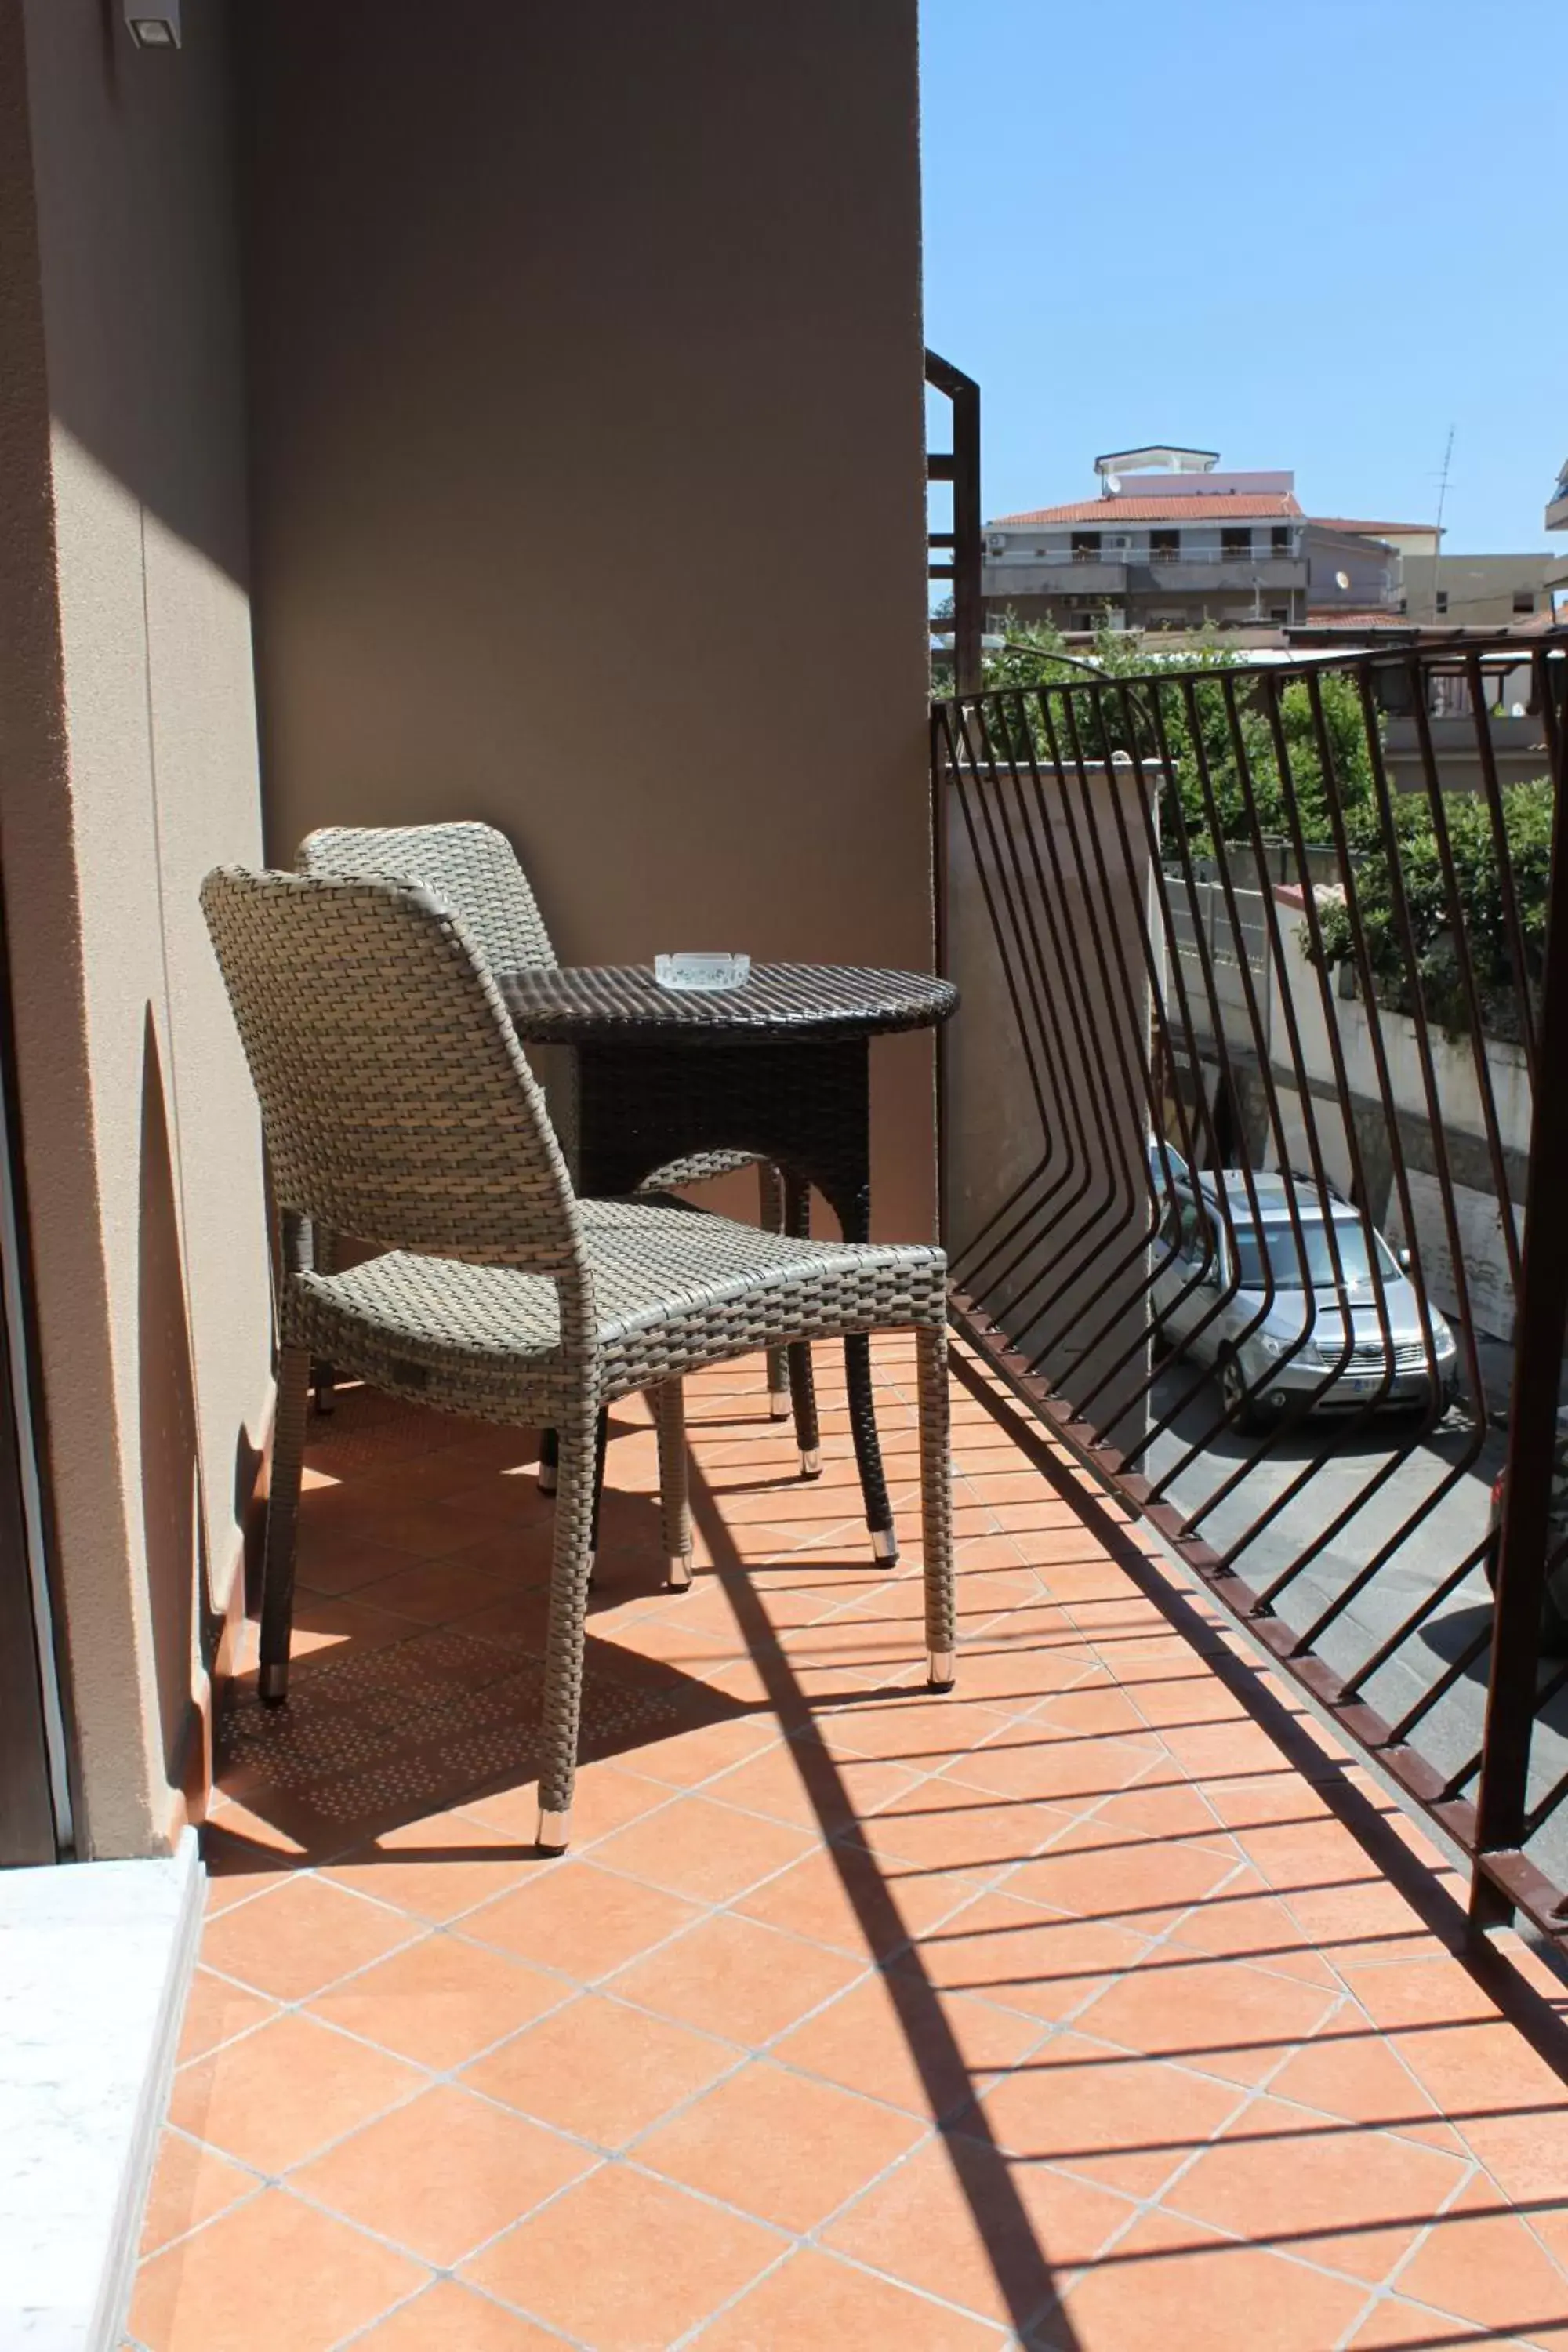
column 1369, row 529
column 1330, row 616
column 1202, row 506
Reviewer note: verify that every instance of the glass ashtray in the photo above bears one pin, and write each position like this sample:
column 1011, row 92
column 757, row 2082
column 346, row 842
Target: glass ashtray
column 702, row 973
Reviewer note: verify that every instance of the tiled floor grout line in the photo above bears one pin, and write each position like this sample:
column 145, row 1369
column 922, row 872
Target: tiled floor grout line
column 1389, row 2285
column 1344, row 1997
column 361, row 2334
column 1347, row 1997
column 811, row 2240
column 1158, row 2198
column 974, row 1883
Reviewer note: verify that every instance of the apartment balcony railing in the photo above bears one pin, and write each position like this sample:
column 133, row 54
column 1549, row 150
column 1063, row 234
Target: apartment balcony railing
column 1056, row 2010
column 1119, row 571
column 1058, row 558
column 1350, row 1403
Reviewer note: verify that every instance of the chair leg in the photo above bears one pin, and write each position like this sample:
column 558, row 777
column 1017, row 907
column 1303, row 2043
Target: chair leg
column 600, row 1447
column 669, row 1414
column 770, row 1186
column 936, row 1509
column 803, row 1393
column 802, row 1385
column 323, row 1376
column 282, row 1522
column 572, row 1563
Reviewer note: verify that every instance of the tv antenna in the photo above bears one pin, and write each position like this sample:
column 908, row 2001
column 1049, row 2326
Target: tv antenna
column 1442, row 500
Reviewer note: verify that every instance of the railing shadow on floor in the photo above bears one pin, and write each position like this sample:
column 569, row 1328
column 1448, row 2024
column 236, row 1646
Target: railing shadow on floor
column 1525, row 2009
column 1019, row 2264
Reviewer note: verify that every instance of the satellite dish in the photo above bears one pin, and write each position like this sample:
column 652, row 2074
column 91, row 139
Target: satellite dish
column 1341, row 580
column 1113, row 484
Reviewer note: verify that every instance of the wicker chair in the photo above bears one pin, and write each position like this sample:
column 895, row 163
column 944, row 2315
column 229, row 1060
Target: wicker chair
column 406, row 1113
column 475, row 870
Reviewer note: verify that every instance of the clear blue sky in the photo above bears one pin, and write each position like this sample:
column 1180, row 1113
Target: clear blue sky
column 1310, row 233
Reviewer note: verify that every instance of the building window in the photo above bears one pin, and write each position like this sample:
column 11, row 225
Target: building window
column 1086, row 547
column 1442, row 600
column 1083, row 623
column 1164, row 546
column 1279, row 615
column 1405, row 603
column 1524, row 600
column 1279, row 539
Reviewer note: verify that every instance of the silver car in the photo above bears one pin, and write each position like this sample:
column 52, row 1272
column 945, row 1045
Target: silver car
column 1292, row 1319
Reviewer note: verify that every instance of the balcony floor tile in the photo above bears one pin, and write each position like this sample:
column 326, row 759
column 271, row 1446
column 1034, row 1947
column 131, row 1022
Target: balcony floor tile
column 1062, row 2013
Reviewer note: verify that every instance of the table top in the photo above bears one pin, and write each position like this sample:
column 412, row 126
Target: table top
column 615, row 1003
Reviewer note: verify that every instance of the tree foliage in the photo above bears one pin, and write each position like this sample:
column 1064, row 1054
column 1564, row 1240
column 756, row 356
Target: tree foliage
column 1233, row 755
column 1240, row 757
column 1445, row 903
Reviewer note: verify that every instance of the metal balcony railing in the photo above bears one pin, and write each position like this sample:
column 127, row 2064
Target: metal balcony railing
column 1254, row 1141
column 1066, row 558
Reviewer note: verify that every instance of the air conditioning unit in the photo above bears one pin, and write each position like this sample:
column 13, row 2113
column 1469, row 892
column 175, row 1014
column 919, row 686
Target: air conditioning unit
column 996, row 543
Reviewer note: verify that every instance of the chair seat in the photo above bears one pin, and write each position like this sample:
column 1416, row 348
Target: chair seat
column 697, row 1168
column 674, row 1287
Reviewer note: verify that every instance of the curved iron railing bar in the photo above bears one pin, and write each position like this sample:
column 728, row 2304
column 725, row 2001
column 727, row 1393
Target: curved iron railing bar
column 1076, row 985
column 1491, row 788
column 1387, row 1100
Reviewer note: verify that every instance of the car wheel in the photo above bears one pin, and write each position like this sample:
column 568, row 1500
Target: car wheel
column 1241, row 1407
column 1554, row 1629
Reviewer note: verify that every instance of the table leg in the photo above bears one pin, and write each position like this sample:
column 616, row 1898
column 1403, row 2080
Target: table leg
column 850, row 1199
column 770, row 1186
column 855, row 1218
column 867, row 1447
column 868, row 1450
column 802, row 1385
column 806, row 1107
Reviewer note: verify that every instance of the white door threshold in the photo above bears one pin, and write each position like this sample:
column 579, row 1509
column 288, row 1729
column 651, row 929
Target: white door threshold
column 95, row 1963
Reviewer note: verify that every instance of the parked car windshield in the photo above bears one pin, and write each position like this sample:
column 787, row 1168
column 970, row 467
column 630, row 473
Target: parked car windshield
column 1310, row 1265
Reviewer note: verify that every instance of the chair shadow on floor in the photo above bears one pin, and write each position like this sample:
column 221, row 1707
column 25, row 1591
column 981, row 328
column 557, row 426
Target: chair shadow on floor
column 381, row 1733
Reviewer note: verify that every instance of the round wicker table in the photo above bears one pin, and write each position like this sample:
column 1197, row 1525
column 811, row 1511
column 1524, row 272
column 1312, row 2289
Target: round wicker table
column 779, row 1067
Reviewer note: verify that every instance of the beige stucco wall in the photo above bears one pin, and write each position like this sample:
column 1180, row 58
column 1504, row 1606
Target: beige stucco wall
column 588, row 462
column 128, row 765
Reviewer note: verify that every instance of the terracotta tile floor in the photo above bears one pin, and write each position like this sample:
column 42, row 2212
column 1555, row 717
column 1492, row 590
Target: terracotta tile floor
column 1076, row 2010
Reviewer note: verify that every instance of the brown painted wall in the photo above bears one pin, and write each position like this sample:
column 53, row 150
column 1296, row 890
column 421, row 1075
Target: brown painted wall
column 128, row 765
column 588, row 466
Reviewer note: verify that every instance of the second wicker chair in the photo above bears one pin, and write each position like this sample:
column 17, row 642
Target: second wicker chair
column 474, row 869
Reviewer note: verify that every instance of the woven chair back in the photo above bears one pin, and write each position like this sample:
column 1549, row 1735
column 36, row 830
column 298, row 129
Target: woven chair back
column 472, row 867
column 396, row 1098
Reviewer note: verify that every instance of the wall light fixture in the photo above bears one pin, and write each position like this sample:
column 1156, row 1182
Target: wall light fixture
column 153, row 24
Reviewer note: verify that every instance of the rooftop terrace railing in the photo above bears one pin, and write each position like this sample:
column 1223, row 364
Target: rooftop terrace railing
column 1255, row 1152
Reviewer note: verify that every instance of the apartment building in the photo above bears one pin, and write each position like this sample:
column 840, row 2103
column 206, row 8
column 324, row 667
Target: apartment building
column 1477, row 592
column 1171, row 542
